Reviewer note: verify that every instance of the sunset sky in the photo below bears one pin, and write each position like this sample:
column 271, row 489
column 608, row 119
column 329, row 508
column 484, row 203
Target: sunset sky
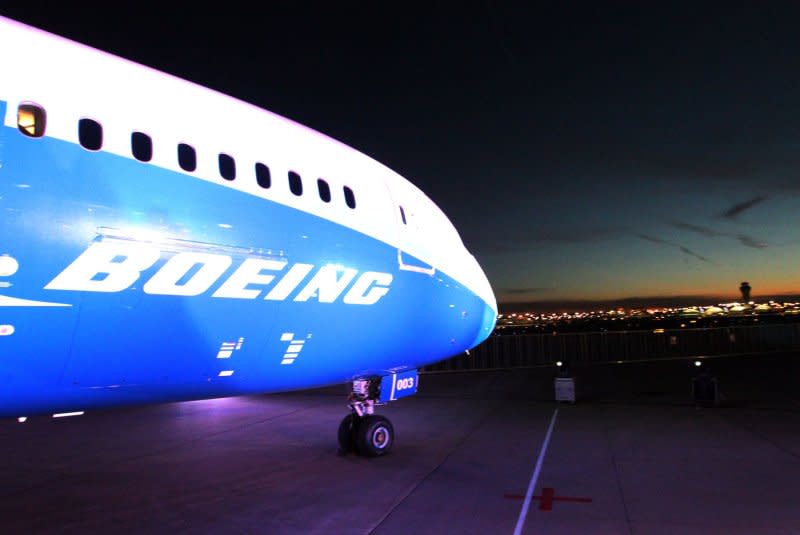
column 584, row 153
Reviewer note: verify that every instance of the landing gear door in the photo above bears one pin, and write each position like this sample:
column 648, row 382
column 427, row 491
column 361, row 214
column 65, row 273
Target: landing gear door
column 399, row 385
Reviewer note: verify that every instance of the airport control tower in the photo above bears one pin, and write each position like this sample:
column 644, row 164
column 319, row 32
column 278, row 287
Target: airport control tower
column 745, row 289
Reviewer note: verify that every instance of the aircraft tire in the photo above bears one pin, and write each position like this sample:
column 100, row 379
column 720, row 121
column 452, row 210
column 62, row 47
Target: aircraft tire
column 374, row 436
column 347, row 431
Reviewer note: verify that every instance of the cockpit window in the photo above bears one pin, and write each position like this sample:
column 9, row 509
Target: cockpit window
column 31, row 119
column 90, row 134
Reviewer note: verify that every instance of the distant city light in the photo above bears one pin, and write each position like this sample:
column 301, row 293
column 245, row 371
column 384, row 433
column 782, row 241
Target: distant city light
column 559, row 363
column 67, row 414
column 697, row 363
column 659, row 320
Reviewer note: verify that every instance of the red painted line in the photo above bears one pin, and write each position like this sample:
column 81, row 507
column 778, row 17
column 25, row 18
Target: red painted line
column 572, row 499
column 546, row 503
column 548, row 497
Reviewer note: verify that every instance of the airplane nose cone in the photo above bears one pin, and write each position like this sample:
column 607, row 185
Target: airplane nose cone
column 487, row 308
column 482, row 308
column 488, row 322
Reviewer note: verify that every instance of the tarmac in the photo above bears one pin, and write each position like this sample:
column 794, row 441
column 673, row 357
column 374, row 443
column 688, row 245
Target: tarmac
column 633, row 455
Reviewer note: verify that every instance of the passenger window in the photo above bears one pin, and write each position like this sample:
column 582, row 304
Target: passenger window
column 295, row 183
column 31, row 119
column 187, row 157
column 90, row 134
column 141, row 146
column 227, row 166
column 262, row 176
column 324, row 190
column 349, row 198
column 403, row 215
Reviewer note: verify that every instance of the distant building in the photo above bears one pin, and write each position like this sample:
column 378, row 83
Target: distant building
column 745, row 289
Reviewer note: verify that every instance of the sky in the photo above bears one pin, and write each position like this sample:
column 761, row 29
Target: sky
column 616, row 153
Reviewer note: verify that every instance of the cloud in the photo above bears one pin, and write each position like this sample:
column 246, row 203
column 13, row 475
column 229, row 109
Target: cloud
column 520, row 240
column 697, row 229
column 751, row 242
column 731, row 164
column 683, row 249
column 572, row 305
column 711, row 233
column 692, row 253
column 737, row 209
column 569, row 235
column 655, row 240
column 523, row 291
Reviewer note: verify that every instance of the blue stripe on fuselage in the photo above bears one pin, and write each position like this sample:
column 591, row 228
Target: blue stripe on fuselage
column 130, row 346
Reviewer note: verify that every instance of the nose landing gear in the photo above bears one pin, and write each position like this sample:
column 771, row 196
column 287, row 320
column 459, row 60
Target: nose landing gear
column 362, row 431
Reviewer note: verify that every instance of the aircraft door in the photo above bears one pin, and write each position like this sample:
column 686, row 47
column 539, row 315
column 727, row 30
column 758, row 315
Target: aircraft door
column 35, row 326
column 412, row 241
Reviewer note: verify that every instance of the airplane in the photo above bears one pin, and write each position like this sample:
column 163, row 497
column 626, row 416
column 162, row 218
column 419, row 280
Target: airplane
column 161, row 242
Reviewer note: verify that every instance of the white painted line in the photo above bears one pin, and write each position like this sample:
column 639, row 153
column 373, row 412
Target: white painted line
column 6, row 301
column 226, row 373
column 535, row 476
column 68, row 414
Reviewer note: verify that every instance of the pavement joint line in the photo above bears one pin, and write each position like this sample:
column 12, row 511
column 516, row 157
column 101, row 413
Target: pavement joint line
column 536, row 471
column 614, row 462
column 761, row 436
column 60, row 476
column 400, row 499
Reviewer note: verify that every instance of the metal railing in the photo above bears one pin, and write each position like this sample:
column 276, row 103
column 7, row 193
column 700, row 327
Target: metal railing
column 527, row 350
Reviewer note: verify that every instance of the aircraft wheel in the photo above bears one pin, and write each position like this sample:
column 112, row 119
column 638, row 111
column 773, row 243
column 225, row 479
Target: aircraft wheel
column 347, row 441
column 374, row 436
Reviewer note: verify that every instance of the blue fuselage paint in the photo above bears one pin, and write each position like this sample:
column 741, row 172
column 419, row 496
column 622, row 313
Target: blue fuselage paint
column 129, row 346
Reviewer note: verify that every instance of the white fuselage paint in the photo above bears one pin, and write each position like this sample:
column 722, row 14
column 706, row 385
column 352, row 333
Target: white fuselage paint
column 73, row 81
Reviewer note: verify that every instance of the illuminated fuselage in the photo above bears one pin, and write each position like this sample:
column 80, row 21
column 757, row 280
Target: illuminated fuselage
column 206, row 247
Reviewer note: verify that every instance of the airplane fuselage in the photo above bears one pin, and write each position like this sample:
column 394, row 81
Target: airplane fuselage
column 129, row 281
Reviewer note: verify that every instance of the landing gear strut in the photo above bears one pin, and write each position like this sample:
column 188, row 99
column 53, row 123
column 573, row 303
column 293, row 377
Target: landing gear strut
column 362, row 431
